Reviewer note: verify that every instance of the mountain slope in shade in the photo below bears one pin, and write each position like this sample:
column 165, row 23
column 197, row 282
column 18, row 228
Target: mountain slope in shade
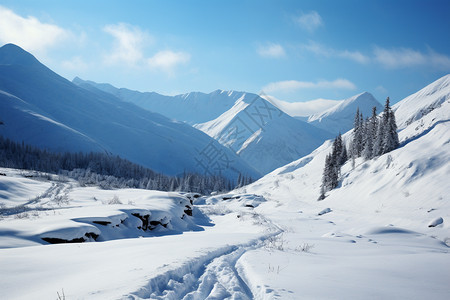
column 22, row 121
column 98, row 120
column 263, row 135
column 340, row 118
column 192, row 108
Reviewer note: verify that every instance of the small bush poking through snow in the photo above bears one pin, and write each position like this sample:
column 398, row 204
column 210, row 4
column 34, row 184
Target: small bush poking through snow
column 275, row 243
column 114, row 200
column 304, row 247
column 23, row 215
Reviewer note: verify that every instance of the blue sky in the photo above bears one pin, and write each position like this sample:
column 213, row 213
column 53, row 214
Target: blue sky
column 293, row 50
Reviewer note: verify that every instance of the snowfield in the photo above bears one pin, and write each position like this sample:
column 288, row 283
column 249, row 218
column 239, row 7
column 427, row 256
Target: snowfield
column 382, row 234
column 130, row 243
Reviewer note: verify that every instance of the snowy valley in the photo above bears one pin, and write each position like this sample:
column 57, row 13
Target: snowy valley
column 383, row 233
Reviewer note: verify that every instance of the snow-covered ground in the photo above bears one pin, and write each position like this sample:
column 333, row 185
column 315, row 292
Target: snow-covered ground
column 382, row 234
column 171, row 255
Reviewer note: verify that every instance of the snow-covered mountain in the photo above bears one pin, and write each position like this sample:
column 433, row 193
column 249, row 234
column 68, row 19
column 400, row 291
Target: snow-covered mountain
column 340, row 118
column 262, row 134
column 192, row 108
column 394, row 205
column 302, row 110
column 421, row 160
column 268, row 138
column 386, row 225
column 419, row 104
column 43, row 109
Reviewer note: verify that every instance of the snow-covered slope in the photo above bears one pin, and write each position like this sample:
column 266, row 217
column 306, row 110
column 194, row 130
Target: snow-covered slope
column 150, row 244
column 192, row 108
column 24, row 121
column 423, row 102
column 387, row 222
column 262, row 134
column 46, row 110
column 340, row 117
column 382, row 234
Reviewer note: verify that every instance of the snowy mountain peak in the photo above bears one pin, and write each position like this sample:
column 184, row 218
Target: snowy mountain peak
column 11, row 54
column 339, row 118
column 362, row 101
column 263, row 135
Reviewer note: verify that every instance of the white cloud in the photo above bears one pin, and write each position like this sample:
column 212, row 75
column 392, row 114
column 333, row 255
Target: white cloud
column 355, row 56
column 381, row 89
column 271, row 50
column 317, row 49
column 405, row 57
column 29, row 33
column 128, row 43
column 293, row 85
column 401, row 57
column 310, row 21
column 75, row 64
column 168, row 60
column 321, row 50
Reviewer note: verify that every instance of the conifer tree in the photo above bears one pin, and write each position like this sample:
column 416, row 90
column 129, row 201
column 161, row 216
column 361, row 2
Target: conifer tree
column 390, row 135
column 358, row 130
column 371, row 135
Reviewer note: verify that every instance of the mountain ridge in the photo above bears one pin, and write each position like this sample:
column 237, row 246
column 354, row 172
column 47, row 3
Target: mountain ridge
column 122, row 128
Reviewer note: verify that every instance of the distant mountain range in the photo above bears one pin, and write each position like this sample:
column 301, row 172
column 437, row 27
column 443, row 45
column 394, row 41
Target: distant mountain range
column 43, row 109
column 242, row 132
column 271, row 134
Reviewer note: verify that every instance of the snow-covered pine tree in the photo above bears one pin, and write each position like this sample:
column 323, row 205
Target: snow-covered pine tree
column 332, row 169
column 357, row 141
column 370, row 135
column 390, row 135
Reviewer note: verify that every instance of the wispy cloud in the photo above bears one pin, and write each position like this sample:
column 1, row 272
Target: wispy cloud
column 309, row 21
column 271, row 50
column 406, row 57
column 29, row 33
column 168, row 60
column 128, row 43
column 294, row 85
column 393, row 58
column 75, row 64
column 129, row 46
column 355, row 56
column 324, row 51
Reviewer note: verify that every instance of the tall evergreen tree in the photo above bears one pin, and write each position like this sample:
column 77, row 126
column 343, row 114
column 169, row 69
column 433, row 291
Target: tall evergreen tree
column 389, row 133
column 358, row 130
column 371, row 135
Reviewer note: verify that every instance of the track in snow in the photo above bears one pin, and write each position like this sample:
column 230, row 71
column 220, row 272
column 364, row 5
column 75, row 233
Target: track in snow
column 211, row 276
column 57, row 195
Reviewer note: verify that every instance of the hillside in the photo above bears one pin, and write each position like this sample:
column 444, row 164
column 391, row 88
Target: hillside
column 386, row 227
column 263, row 135
column 394, row 208
column 46, row 110
column 192, row 108
column 340, row 118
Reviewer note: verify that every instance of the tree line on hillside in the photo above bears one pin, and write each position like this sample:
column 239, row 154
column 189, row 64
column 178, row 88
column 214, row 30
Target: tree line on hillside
column 371, row 137
column 108, row 171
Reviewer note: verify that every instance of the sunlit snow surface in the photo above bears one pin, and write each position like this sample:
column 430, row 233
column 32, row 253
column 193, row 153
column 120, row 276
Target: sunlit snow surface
column 385, row 233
